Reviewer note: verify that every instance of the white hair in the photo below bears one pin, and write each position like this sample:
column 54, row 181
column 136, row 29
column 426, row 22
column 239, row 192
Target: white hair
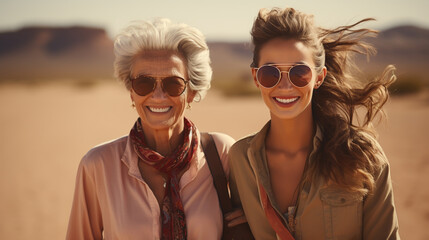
column 162, row 34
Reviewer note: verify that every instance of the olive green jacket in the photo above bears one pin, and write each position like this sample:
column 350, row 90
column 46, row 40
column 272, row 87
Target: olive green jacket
column 324, row 211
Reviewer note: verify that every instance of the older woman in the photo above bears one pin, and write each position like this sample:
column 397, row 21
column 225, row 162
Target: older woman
column 153, row 183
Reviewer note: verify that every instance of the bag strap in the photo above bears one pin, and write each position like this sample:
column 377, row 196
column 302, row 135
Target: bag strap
column 241, row 231
column 216, row 169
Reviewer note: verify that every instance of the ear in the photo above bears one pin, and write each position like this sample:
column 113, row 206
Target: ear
column 320, row 78
column 131, row 95
column 191, row 96
column 254, row 77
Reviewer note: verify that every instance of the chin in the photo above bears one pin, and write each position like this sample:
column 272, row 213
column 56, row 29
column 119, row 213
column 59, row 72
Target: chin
column 162, row 125
column 285, row 116
column 296, row 112
column 157, row 124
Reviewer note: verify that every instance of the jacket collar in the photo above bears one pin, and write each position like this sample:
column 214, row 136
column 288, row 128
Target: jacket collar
column 257, row 158
column 258, row 161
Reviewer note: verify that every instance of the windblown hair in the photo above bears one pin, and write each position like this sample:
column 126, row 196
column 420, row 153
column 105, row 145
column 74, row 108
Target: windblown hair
column 348, row 155
column 162, row 34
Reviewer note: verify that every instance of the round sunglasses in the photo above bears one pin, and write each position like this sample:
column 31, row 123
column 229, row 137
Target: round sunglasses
column 269, row 75
column 173, row 86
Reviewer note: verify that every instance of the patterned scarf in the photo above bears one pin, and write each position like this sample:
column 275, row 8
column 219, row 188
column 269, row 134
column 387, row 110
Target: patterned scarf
column 172, row 214
column 273, row 218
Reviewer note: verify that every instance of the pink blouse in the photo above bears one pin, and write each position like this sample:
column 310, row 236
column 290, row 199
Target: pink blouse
column 112, row 201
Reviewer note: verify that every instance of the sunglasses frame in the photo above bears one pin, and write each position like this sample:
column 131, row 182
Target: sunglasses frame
column 156, row 83
column 275, row 65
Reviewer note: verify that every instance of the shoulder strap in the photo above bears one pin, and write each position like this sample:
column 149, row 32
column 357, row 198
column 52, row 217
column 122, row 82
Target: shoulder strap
column 216, row 169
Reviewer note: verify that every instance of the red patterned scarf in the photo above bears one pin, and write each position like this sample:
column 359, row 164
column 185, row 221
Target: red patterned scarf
column 273, row 218
column 172, row 214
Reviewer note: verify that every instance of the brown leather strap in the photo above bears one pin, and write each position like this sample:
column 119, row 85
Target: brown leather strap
column 215, row 166
column 238, row 232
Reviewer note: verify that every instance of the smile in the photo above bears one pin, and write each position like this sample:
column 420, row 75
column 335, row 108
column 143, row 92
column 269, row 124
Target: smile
column 286, row 100
column 159, row 109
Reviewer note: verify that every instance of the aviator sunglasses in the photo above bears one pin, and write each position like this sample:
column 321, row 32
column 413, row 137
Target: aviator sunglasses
column 173, row 86
column 269, row 75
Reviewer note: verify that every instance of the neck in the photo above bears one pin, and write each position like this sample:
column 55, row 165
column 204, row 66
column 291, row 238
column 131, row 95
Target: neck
column 291, row 135
column 164, row 140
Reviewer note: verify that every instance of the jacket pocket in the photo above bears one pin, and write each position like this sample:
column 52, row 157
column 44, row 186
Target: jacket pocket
column 342, row 214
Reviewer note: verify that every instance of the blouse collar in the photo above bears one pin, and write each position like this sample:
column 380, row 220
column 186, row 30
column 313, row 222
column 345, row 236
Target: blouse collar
column 130, row 159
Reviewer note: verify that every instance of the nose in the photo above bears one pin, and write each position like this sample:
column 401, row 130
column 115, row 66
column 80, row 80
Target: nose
column 284, row 81
column 158, row 92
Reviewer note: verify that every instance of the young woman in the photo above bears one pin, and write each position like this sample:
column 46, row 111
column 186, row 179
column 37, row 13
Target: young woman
column 313, row 171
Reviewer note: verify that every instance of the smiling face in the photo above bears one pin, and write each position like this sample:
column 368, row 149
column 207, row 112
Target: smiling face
column 157, row 109
column 286, row 101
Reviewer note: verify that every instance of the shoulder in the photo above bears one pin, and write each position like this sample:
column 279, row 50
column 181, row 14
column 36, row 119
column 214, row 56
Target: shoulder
column 380, row 165
column 238, row 153
column 382, row 175
column 103, row 152
column 240, row 147
column 380, row 159
column 222, row 140
column 223, row 144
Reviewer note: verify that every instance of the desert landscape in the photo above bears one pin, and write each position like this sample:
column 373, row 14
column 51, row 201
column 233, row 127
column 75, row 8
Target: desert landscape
column 47, row 128
column 58, row 100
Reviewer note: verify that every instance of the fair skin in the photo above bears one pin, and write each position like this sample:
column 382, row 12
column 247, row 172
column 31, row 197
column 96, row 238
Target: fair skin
column 289, row 140
column 162, row 116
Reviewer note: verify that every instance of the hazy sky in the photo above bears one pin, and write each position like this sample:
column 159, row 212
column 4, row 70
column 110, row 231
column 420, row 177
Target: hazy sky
column 217, row 19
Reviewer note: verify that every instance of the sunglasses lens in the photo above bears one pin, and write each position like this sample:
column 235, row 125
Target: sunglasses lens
column 143, row 85
column 268, row 76
column 300, row 75
column 174, row 86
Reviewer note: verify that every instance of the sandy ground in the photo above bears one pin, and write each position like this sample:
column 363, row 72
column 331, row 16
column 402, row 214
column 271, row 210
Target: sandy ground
column 45, row 130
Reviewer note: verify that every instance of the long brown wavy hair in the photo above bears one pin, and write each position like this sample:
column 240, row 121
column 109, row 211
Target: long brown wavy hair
column 348, row 154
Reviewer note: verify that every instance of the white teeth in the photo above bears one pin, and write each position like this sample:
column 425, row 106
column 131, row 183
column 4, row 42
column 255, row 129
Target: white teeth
column 159, row 110
column 287, row 100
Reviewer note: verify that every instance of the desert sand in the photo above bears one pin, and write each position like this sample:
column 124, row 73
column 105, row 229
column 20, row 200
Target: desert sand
column 46, row 129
